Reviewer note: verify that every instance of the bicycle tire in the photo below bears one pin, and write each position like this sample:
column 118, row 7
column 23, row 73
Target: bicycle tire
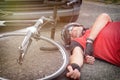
column 62, row 50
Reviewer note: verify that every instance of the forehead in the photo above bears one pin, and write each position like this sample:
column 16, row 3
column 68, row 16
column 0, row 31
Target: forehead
column 74, row 27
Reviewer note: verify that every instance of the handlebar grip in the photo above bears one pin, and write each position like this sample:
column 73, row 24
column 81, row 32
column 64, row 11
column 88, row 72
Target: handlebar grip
column 1, row 36
column 40, row 21
column 2, row 23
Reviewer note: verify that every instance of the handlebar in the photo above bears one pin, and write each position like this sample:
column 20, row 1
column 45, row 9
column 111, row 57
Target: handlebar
column 41, row 20
column 34, row 29
column 30, row 33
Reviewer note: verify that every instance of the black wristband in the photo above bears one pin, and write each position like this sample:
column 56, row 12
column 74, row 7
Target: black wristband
column 75, row 66
column 89, row 49
column 90, row 40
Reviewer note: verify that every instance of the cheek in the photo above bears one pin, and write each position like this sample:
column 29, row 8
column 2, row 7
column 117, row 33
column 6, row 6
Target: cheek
column 74, row 34
column 80, row 33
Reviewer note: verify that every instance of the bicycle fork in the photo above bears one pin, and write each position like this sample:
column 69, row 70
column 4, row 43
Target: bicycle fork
column 24, row 47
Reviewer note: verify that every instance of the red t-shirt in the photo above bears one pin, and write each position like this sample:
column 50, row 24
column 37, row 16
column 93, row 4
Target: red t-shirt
column 107, row 43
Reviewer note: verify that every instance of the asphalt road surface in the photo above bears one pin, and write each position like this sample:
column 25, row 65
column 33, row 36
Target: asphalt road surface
column 90, row 10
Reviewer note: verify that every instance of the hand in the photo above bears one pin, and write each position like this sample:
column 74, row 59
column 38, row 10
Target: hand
column 74, row 74
column 89, row 59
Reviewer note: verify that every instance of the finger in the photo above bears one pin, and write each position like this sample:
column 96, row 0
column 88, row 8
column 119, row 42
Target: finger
column 88, row 57
column 70, row 69
column 91, row 62
column 91, row 58
column 76, row 74
column 94, row 58
column 70, row 74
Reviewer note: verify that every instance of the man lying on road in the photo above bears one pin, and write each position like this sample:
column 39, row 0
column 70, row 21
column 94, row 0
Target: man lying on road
column 101, row 41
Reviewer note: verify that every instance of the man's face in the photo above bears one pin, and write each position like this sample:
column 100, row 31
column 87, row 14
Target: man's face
column 76, row 32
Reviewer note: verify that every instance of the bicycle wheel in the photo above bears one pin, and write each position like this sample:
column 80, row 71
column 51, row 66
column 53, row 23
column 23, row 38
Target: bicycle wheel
column 38, row 64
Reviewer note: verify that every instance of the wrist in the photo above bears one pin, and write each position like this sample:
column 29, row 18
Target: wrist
column 89, row 40
column 75, row 66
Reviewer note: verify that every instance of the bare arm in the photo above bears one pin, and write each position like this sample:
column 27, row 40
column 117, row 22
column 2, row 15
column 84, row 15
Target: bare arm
column 77, row 58
column 99, row 24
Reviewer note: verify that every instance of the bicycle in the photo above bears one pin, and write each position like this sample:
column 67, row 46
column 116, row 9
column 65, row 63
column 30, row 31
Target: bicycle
column 34, row 33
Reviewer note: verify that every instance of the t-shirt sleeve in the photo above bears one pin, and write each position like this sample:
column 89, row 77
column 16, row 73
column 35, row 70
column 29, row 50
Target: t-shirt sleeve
column 82, row 40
